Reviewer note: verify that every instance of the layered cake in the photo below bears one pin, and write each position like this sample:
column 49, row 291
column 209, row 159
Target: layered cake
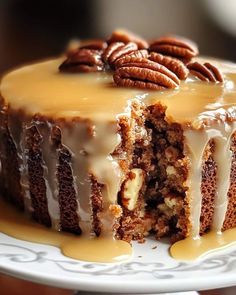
column 122, row 137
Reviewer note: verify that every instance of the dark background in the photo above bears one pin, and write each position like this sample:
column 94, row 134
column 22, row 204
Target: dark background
column 32, row 29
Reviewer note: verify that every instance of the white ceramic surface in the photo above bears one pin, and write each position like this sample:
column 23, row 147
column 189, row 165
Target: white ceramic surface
column 151, row 269
column 99, row 293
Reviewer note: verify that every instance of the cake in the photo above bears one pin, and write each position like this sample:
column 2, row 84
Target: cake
column 122, row 137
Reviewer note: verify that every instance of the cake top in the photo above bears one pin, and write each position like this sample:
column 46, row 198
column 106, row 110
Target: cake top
column 40, row 88
column 99, row 79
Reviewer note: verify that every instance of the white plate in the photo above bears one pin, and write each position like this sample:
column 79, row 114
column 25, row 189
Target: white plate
column 150, row 271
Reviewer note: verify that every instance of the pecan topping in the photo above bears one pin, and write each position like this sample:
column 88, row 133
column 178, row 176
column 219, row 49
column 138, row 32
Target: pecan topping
column 173, row 64
column 126, row 37
column 175, row 46
column 144, row 73
column 96, row 44
column 75, row 45
column 117, row 50
column 161, row 65
column 82, row 60
column 205, row 72
column 142, row 53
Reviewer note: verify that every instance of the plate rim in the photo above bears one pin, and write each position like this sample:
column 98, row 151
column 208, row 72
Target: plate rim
column 149, row 286
column 164, row 278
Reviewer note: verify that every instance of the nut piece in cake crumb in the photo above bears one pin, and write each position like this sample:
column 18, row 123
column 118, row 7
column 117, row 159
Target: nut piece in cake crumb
column 170, row 170
column 170, row 202
column 132, row 187
column 115, row 210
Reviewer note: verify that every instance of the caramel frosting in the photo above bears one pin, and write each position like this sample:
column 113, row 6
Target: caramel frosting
column 94, row 95
column 191, row 249
column 205, row 110
column 102, row 249
column 105, row 248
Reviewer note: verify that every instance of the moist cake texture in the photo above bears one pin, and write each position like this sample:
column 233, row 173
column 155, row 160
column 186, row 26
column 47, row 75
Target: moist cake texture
column 83, row 155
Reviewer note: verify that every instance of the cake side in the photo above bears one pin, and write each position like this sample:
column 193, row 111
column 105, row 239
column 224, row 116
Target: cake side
column 149, row 143
column 230, row 219
column 62, row 180
column 10, row 186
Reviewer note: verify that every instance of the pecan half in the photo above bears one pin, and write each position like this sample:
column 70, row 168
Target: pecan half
column 205, row 72
column 97, row 44
column 75, row 45
column 83, row 60
column 126, row 37
column 142, row 53
column 173, row 64
column 116, row 50
column 144, row 73
column 175, row 46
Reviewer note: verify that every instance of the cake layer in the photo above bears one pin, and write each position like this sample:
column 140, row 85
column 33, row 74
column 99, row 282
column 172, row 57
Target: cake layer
column 86, row 156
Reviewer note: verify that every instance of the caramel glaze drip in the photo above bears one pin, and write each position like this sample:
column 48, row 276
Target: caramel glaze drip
column 102, row 249
column 191, row 249
column 17, row 129
column 50, row 169
column 206, row 111
column 91, row 155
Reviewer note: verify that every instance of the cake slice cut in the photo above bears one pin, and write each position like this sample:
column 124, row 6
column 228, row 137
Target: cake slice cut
column 83, row 155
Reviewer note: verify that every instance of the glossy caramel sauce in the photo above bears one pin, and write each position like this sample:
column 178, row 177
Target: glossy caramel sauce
column 191, row 249
column 102, row 249
column 94, row 95
column 205, row 110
